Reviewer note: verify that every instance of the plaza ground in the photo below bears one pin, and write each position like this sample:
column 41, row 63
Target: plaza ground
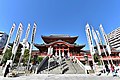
column 61, row 77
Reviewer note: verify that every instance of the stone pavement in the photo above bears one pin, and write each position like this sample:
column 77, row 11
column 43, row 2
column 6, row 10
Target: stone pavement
column 61, row 77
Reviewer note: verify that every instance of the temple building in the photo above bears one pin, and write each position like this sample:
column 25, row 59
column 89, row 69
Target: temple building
column 114, row 56
column 66, row 46
column 63, row 44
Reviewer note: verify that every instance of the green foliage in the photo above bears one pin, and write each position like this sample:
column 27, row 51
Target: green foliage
column 99, row 62
column 7, row 55
column 17, row 57
column 36, row 59
column 26, row 57
column 39, row 59
column 96, row 58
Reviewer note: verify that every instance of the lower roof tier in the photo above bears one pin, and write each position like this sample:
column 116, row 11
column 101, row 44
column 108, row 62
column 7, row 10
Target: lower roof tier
column 59, row 44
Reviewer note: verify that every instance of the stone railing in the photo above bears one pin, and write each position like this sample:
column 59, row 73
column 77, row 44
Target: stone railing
column 81, row 65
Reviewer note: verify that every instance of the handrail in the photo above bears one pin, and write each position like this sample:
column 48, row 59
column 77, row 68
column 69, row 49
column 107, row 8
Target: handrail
column 81, row 65
column 74, row 68
column 41, row 64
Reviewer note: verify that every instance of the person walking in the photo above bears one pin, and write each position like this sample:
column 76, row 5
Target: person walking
column 7, row 70
column 107, row 69
column 113, row 70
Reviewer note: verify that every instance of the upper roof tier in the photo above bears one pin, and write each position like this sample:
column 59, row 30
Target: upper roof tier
column 66, row 38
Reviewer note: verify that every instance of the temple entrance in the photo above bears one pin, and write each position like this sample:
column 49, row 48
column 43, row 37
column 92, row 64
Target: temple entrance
column 61, row 52
column 66, row 53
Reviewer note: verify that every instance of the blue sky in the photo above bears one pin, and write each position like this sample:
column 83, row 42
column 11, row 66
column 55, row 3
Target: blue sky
column 60, row 16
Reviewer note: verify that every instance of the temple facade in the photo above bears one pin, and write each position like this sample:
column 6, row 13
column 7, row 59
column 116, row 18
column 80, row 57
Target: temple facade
column 63, row 44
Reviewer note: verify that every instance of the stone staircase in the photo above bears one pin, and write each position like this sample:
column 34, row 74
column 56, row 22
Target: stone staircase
column 79, row 69
column 66, row 67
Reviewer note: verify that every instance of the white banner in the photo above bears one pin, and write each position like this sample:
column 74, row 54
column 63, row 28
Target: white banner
column 17, row 40
column 33, row 33
column 24, row 44
column 25, row 39
column 63, row 54
column 89, row 38
column 32, row 41
column 99, row 37
column 102, row 45
column 96, row 41
column 27, row 33
column 10, row 34
column 50, row 50
column 8, row 40
column 105, row 39
column 32, row 37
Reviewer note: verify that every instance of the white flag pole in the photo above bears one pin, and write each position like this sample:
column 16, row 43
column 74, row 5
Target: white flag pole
column 106, row 42
column 24, row 43
column 49, row 52
column 98, row 46
column 96, row 41
column 8, row 40
column 17, row 41
column 31, row 44
column 90, row 42
column 60, row 60
column 102, row 45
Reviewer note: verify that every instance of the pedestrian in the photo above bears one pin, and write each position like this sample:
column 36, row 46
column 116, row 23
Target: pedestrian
column 113, row 70
column 107, row 69
column 116, row 70
column 7, row 70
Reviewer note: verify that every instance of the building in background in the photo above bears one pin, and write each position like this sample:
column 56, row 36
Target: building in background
column 3, row 39
column 114, row 38
column 115, row 55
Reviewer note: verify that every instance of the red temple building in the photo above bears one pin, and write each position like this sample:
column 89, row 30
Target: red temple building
column 64, row 44
column 114, row 56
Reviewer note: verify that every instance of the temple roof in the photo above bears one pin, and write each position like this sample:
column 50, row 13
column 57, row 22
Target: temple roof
column 59, row 43
column 66, row 38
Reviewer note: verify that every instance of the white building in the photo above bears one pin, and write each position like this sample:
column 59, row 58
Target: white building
column 114, row 38
column 3, row 39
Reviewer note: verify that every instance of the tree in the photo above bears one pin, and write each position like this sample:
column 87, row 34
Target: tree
column 96, row 57
column 39, row 59
column 7, row 55
column 26, row 57
column 18, row 53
